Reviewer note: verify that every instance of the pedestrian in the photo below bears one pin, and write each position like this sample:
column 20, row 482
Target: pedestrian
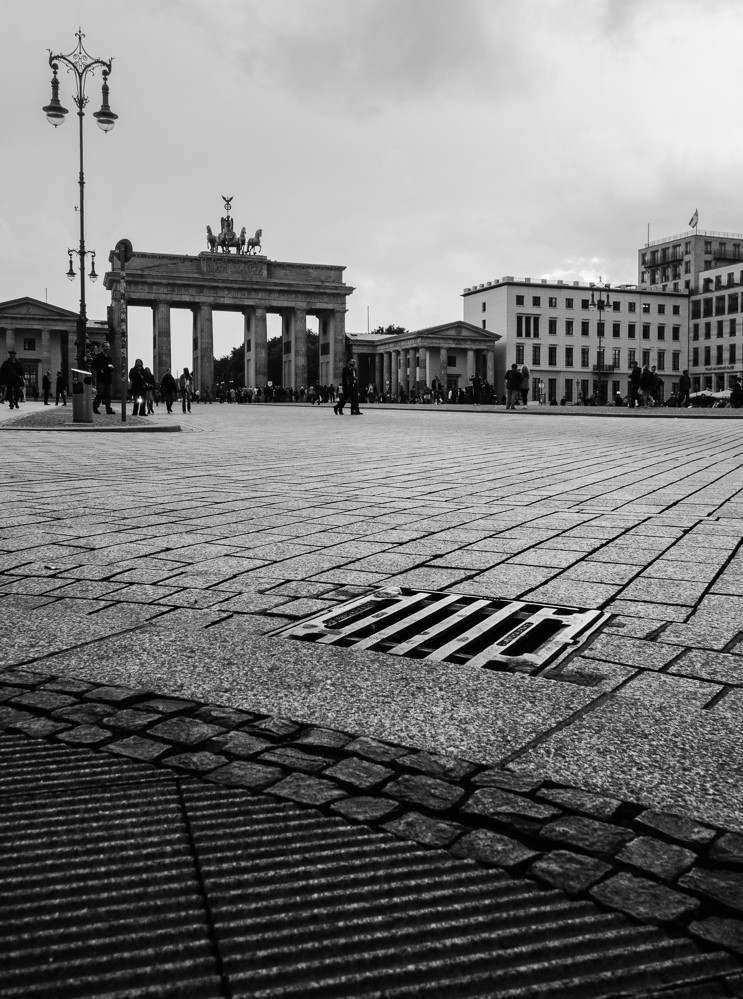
column 11, row 374
column 736, row 393
column 61, row 388
column 167, row 387
column 685, row 389
column 46, row 384
column 186, row 384
column 647, row 384
column 513, row 386
column 35, row 391
column 208, row 396
column 635, row 382
column 658, row 387
column 139, row 388
column 525, row 374
column 103, row 368
column 355, row 411
column 345, row 393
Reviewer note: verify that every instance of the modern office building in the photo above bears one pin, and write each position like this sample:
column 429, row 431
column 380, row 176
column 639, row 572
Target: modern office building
column 708, row 265
column 580, row 341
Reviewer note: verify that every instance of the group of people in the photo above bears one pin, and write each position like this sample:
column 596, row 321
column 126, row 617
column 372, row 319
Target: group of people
column 13, row 383
column 517, row 386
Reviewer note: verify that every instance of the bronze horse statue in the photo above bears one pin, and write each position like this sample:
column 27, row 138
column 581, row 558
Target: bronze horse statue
column 253, row 245
column 211, row 240
column 227, row 238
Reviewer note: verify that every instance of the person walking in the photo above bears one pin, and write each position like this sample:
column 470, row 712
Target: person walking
column 685, row 388
column 345, row 394
column 513, row 386
column 647, row 384
column 186, row 385
column 635, row 383
column 524, row 387
column 103, row 367
column 167, row 387
column 355, row 411
column 46, row 384
column 11, row 374
column 139, row 388
column 61, row 389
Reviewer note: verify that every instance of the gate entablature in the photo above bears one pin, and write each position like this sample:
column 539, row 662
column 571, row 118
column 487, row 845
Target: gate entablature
column 247, row 283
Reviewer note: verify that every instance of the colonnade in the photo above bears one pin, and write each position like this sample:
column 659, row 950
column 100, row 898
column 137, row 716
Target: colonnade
column 332, row 349
column 403, row 368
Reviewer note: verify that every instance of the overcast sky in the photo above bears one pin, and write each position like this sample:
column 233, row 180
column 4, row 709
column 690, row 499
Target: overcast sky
column 427, row 145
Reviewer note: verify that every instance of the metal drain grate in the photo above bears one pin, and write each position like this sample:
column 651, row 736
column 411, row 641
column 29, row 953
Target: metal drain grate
column 451, row 628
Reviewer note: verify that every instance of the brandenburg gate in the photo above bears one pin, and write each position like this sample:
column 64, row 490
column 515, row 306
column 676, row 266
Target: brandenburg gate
column 243, row 282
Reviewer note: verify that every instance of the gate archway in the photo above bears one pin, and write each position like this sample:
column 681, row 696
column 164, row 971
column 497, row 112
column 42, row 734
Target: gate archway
column 252, row 285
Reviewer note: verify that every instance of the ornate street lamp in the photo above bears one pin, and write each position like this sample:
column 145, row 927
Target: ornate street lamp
column 80, row 63
column 601, row 304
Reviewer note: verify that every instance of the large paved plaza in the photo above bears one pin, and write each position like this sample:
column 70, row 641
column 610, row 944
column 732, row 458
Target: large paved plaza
column 162, row 562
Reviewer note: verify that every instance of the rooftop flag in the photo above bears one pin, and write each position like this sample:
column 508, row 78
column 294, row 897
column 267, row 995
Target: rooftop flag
column 694, row 219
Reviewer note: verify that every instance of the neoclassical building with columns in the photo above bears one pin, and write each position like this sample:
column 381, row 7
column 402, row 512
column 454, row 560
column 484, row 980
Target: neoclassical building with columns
column 43, row 337
column 452, row 353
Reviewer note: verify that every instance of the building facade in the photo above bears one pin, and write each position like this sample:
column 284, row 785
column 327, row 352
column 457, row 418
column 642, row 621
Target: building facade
column 451, row 353
column 575, row 351
column 708, row 266
column 44, row 337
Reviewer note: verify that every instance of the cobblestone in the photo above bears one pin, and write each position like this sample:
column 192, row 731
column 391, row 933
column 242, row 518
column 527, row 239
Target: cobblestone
column 570, row 872
column 600, row 839
column 426, row 791
column 644, row 900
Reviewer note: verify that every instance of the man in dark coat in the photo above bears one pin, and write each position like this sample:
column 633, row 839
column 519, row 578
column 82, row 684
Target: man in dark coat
column 513, row 386
column 355, row 411
column 167, row 387
column 61, row 388
column 11, row 374
column 635, row 381
column 103, row 366
column 684, row 388
column 347, row 378
column 46, row 384
column 647, row 384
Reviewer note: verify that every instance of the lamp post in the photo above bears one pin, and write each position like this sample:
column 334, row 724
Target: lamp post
column 80, row 63
column 601, row 304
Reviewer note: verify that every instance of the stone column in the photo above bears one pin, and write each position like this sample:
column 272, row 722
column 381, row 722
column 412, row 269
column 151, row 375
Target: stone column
column 205, row 340
column 395, row 380
column 46, row 354
column 403, row 376
column 259, row 338
column 248, row 362
column 386, row 369
column 299, row 348
column 379, row 372
column 490, row 366
column 338, row 334
column 470, row 363
column 443, row 369
column 423, row 366
column 161, row 354
column 9, row 339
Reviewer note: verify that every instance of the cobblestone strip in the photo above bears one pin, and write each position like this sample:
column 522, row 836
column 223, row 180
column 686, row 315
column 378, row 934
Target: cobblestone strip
column 655, row 867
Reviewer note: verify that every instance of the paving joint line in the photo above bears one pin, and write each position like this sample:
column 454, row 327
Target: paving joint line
column 205, row 899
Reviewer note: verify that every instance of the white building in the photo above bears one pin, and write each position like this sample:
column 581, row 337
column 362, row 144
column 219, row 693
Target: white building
column 710, row 266
column 574, row 351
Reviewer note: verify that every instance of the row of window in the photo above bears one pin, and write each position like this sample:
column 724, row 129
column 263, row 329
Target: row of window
column 707, row 283
column 585, row 303
column 701, row 307
column 585, row 357
column 732, row 329
column 529, row 327
column 670, row 253
column 719, row 355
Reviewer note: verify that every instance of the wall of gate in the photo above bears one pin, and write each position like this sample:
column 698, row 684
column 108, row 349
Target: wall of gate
column 252, row 285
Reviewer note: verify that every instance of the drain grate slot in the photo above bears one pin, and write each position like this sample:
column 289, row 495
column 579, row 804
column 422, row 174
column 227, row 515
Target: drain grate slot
column 454, row 628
